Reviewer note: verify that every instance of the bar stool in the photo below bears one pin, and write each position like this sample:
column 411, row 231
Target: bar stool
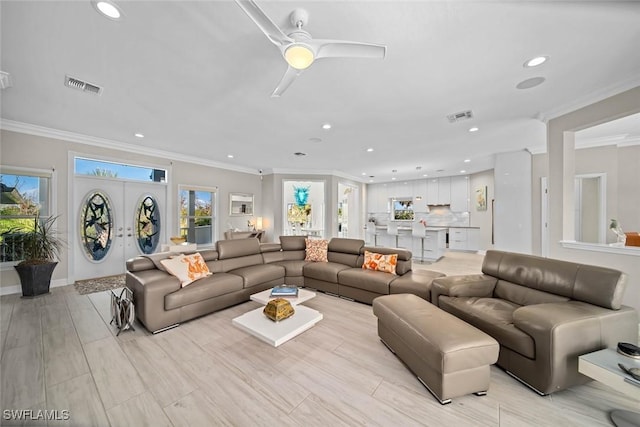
column 417, row 230
column 370, row 230
column 392, row 229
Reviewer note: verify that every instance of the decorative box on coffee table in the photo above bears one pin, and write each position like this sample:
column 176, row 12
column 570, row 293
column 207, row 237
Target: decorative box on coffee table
column 278, row 309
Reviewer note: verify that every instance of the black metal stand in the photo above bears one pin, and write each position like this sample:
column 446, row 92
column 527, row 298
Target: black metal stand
column 122, row 310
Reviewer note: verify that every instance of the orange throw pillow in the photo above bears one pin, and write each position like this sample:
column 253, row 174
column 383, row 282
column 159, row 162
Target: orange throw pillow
column 379, row 262
column 187, row 268
column 316, row 250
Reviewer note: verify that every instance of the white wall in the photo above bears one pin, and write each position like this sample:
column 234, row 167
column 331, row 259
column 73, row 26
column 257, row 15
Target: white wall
column 512, row 177
column 561, row 167
column 482, row 219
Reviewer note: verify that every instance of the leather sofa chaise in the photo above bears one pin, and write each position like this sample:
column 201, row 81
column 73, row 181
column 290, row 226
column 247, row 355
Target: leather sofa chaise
column 543, row 312
column 243, row 267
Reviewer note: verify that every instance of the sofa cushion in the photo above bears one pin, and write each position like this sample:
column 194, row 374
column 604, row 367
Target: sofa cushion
column 345, row 251
column 325, row 271
column 522, row 295
column 293, row 268
column 237, row 248
column 258, row 274
column 293, row 243
column 200, row 290
column 597, row 285
column 493, row 316
column 316, row 250
column 379, row 262
column 416, row 282
column 370, row 280
column 187, row 268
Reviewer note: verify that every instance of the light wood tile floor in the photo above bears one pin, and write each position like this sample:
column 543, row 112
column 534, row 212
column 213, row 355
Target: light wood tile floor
column 60, row 353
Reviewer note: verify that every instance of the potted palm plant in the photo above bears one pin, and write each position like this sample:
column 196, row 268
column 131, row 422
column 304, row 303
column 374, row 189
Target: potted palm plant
column 41, row 248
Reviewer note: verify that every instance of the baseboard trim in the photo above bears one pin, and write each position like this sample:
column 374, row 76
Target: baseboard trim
column 17, row 289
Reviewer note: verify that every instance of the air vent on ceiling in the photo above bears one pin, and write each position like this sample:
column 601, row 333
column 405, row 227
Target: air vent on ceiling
column 457, row 117
column 75, row 83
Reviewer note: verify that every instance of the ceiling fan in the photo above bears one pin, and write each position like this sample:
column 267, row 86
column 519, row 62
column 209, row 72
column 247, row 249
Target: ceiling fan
column 299, row 49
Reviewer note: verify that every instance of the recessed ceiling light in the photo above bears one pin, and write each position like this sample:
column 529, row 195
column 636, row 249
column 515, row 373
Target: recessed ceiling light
column 370, row 180
column 529, row 83
column 393, row 179
column 463, row 171
column 425, row 175
column 326, row 126
column 108, row 9
column 467, row 160
column 474, row 129
column 364, row 173
column 230, row 156
column 534, row 62
column 369, row 150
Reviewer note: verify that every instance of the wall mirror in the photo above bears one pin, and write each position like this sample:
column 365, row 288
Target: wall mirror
column 240, row 204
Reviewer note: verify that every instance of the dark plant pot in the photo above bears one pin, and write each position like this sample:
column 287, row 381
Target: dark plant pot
column 35, row 279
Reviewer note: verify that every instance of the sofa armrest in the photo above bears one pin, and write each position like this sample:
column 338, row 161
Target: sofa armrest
column 149, row 289
column 470, row 285
column 565, row 330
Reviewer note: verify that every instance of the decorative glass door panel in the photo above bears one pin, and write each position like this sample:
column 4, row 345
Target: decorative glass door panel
column 96, row 226
column 148, row 225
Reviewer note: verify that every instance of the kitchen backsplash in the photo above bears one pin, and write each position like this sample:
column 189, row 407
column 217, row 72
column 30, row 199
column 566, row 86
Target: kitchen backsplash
column 438, row 216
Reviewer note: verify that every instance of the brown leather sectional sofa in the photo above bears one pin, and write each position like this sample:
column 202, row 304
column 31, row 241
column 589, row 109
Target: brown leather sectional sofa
column 543, row 312
column 243, row 267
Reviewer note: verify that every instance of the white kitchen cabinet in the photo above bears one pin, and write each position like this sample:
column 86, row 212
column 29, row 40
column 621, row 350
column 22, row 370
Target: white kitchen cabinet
column 432, row 191
column 464, row 239
column 378, row 198
column 420, row 195
column 434, row 244
column 439, row 191
column 460, row 194
column 473, row 239
column 444, row 190
column 372, row 195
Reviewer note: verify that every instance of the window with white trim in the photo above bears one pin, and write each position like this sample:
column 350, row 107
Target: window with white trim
column 25, row 194
column 197, row 214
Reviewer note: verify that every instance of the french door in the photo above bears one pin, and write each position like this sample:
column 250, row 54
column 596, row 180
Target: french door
column 115, row 220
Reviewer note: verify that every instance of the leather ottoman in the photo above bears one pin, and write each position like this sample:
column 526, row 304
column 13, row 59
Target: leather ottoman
column 449, row 356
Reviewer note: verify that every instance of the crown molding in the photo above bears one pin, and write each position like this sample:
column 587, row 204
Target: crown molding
column 591, row 98
column 31, row 129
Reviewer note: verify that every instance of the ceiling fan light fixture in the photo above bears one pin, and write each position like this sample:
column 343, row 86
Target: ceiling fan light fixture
column 299, row 56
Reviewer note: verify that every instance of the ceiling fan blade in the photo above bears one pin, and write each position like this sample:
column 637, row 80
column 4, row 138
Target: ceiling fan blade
column 345, row 49
column 271, row 30
column 289, row 76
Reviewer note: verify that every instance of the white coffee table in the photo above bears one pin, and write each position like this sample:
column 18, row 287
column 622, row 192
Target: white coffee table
column 265, row 296
column 602, row 366
column 276, row 333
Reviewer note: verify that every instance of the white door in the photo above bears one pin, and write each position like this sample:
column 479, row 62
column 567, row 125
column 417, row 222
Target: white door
column 115, row 220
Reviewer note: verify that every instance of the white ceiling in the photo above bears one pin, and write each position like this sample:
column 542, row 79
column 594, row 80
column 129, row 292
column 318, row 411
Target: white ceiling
column 195, row 78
